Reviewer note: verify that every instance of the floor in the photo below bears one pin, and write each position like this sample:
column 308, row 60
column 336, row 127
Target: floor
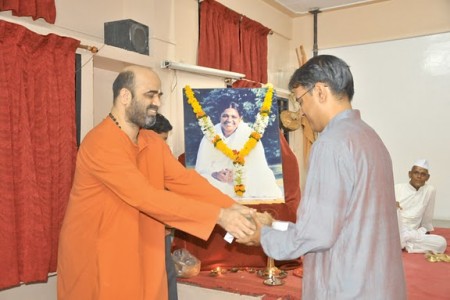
column 46, row 291
column 441, row 223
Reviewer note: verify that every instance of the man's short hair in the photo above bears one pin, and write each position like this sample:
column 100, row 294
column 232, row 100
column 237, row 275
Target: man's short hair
column 161, row 124
column 328, row 69
column 125, row 79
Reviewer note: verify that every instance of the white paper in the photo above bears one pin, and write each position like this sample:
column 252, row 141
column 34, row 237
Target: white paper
column 228, row 237
column 280, row 225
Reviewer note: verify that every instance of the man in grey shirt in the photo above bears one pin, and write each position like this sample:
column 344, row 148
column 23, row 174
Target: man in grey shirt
column 346, row 225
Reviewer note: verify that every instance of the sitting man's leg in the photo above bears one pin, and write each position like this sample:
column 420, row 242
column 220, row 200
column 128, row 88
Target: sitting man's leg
column 426, row 243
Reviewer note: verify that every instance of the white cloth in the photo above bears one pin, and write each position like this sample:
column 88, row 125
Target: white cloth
column 416, row 241
column 346, row 224
column 423, row 163
column 415, row 219
column 417, row 205
column 260, row 182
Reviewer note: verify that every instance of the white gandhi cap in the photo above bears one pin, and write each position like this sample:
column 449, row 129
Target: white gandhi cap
column 423, row 163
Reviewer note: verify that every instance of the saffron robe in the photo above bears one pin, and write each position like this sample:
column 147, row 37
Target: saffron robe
column 112, row 237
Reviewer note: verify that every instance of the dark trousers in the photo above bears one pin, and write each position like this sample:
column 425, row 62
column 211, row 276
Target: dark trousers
column 170, row 270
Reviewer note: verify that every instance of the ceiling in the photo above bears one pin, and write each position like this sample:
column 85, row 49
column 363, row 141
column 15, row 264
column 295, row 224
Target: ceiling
column 300, row 7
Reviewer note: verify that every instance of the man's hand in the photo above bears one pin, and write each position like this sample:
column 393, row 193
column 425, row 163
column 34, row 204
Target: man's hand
column 238, row 220
column 264, row 218
column 260, row 219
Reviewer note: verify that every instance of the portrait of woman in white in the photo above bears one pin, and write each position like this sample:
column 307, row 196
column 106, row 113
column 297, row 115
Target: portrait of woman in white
column 258, row 177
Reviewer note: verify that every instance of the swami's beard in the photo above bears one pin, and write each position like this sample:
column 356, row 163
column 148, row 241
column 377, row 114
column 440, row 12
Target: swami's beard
column 142, row 118
column 150, row 120
column 150, row 117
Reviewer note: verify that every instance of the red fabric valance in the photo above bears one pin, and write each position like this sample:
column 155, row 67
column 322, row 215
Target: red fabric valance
column 31, row 8
column 37, row 149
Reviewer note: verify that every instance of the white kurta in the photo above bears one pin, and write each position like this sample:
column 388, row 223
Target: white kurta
column 346, row 224
column 417, row 205
column 415, row 219
column 260, row 182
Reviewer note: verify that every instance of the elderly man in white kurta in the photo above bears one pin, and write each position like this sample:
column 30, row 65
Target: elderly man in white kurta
column 416, row 207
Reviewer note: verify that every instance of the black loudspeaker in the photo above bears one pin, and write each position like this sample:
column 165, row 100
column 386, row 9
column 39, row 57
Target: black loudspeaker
column 127, row 34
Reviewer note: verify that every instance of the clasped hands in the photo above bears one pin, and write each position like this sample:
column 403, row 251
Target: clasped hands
column 244, row 223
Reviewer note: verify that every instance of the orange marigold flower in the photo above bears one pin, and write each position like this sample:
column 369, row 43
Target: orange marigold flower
column 239, row 190
column 201, row 114
column 216, row 140
column 240, row 160
column 248, row 147
column 255, row 135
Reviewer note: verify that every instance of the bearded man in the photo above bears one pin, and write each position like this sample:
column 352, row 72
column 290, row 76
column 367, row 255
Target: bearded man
column 127, row 186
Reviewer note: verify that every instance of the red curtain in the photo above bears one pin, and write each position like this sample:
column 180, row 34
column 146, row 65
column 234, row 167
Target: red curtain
column 233, row 42
column 31, row 8
column 37, row 149
column 253, row 43
column 219, row 37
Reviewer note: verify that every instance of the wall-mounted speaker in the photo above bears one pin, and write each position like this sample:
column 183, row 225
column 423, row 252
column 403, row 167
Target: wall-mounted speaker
column 127, row 34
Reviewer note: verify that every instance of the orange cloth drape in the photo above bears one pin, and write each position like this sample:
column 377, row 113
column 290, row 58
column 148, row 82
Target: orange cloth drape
column 37, row 149
column 31, row 8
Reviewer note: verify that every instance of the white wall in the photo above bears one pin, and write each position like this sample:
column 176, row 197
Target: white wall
column 36, row 291
column 402, row 88
column 376, row 22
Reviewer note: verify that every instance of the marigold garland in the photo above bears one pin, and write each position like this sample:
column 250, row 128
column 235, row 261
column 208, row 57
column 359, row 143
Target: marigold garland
column 237, row 157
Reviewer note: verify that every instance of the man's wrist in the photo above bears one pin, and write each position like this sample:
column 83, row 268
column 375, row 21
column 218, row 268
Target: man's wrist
column 219, row 217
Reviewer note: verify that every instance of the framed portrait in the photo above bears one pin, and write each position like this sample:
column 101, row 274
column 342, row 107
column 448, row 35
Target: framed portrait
column 232, row 139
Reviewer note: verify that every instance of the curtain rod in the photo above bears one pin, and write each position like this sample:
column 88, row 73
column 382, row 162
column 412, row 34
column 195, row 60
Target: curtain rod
column 93, row 49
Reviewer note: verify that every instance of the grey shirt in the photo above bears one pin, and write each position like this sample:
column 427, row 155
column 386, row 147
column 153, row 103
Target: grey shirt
column 346, row 225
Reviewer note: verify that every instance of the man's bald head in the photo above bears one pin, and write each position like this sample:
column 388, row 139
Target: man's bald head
column 130, row 76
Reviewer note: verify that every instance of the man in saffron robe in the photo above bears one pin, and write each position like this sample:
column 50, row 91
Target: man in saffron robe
column 346, row 228
column 127, row 186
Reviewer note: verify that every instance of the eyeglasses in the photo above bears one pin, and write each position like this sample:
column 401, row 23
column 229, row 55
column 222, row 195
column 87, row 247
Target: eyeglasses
column 300, row 100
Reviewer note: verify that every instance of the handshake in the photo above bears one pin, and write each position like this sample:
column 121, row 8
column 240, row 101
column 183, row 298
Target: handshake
column 263, row 218
column 244, row 223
